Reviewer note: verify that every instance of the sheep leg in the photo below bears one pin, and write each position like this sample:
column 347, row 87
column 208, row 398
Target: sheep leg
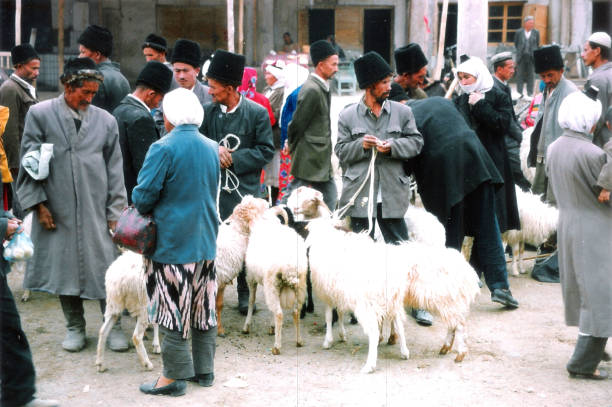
column 448, row 342
column 398, row 324
column 516, row 261
column 139, row 330
column 521, row 251
column 218, row 309
column 155, row 344
column 278, row 327
column 460, row 336
column 296, row 322
column 109, row 321
column 329, row 336
column 310, row 304
column 26, row 296
column 247, row 323
column 370, row 328
column 341, row 326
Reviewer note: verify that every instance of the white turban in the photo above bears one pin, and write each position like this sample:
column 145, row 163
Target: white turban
column 182, row 106
column 475, row 67
column 278, row 73
column 579, row 113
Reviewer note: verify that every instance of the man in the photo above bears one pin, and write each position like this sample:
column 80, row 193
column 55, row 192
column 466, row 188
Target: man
column 503, row 70
column 411, row 66
column 155, row 48
column 596, row 54
column 309, row 132
column 137, row 129
column 79, row 201
column 457, row 180
column 242, row 129
column 186, row 62
column 288, row 44
column 96, row 43
column 526, row 40
column 549, row 65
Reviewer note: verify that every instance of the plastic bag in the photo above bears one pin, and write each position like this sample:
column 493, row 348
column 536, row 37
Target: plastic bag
column 20, row 247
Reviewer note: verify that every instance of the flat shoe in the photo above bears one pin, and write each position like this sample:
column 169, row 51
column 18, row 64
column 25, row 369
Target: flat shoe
column 597, row 375
column 204, row 380
column 174, row 389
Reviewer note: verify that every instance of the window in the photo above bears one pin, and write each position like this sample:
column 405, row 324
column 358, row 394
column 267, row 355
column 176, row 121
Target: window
column 504, row 20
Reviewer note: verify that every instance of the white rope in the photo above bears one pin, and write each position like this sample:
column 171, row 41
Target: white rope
column 230, row 177
column 369, row 176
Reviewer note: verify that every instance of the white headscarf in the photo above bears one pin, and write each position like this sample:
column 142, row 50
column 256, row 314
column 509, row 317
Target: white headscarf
column 182, row 106
column 579, row 113
column 475, row 67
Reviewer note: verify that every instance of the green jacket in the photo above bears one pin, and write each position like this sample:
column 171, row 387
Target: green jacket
column 309, row 134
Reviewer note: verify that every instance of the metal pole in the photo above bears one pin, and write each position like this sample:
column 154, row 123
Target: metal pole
column 18, row 22
column 440, row 55
column 230, row 25
column 60, row 36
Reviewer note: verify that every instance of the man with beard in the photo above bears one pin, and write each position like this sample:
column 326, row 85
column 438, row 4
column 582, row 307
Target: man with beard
column 411, row 65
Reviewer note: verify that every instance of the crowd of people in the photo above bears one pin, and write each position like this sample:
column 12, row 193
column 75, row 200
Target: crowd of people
column 187, row 152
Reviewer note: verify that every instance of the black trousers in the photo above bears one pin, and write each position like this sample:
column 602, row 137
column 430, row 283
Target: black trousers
column 17, row 376
column 394, row 230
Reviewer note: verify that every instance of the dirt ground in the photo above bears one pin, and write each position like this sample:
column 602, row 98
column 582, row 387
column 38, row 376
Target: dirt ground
column 516, row 358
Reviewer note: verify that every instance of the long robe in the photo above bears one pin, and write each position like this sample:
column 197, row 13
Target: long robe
column 602, row 79
column 84, row 191
column 584, row 233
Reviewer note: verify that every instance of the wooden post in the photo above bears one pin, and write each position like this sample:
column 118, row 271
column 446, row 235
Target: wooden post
column 230, row 25
column 18, row 22
column 60, row 36
column 241, row 27
column 440, row 55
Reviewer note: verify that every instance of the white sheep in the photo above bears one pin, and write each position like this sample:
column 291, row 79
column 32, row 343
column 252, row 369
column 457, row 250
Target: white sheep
column 528, row 172
column 232, row 241
column 538, row 223
column 276, row 258
column 126, row 289
column 424, row 227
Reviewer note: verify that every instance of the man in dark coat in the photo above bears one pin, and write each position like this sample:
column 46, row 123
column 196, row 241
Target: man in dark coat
column 526, row 40
column 309, row 132
column 242, row 129
column 503, row 70
column 457, row 181
column 137, row 129
column 411, row 66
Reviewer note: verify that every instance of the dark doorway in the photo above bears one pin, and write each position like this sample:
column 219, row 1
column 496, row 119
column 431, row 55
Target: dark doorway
column 34, row 14
column 450, row 37
column 320, row 24
column 377, row 32
column 602, row 12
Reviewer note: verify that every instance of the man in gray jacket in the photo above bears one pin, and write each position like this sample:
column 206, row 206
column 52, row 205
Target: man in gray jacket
column 526, row 40
column 596, row 54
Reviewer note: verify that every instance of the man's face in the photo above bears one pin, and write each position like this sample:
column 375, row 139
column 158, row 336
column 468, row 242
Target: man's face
column 589, row 55
column 529, row 24
column 381, row 89
column 152, row 98
column 185, row 74
column 151, row 54
column 551, row 77
column 87, row 53
column 412, row 80
column 506, row 72
column 220, row 92
column 28, row 71
column 80, row 98
column 328, row 67
column 270, row 79
column 287, row 38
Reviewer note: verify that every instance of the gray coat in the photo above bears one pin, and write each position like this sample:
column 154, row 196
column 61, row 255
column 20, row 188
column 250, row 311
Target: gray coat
column 396, row 122
column 84, row 191
column 114, row 88
column 524, row 46
column 584, row 233
column 602, row 79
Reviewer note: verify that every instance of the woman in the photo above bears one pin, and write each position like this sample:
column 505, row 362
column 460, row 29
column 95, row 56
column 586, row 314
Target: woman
column 178, row 184
column 574, row 167
column 274, row 92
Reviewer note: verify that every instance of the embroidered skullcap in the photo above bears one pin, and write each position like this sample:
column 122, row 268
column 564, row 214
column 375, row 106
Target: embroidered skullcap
column 579, row 113
column 601, row 38
column 81, row 69
column 501, row 57
column 182, row 106
column 528, row 18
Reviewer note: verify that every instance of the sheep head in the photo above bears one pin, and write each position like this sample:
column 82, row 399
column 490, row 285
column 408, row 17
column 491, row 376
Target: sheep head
column 308, row 202
column 248, row 211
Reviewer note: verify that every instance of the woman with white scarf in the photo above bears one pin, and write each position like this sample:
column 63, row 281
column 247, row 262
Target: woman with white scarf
column 488, row 111
column 574, row 165
column 275, row 92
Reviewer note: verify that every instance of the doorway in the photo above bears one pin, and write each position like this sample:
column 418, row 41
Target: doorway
column 321, row 23
column 377, row 32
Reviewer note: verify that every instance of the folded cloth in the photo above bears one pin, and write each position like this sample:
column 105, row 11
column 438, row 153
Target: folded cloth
column 36, row 162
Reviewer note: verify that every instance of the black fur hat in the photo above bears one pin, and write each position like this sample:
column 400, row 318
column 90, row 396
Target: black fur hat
column 320, row 50
column 397, row 93
column 22, row 54
column 409, row 59
column 226, row 67
column 548, row 57
column 188, row 52
column 97, row 38
column 155, row 75
column 156, row 42
column 370, row 68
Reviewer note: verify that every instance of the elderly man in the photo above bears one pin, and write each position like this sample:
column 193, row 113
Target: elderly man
column 549, row 64
column 596, row 54
column 80, row 199
column 411, row 66
column 242, row 129
column 526, row 40
column 503, row 70
column 309, row 132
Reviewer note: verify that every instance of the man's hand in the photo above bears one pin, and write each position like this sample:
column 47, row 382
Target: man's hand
column 225, row 157
column 286, row 148
column 604, row 196
column 112, row 225
column 11, row 228
column 384, row 146
column 369, row 141
column 45, row 218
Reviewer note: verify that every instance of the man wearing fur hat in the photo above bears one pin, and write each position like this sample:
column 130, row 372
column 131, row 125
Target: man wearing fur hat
column 596, row 54
column 549, row 65
column 411, row 66
column 187, row 61
column 155, row 48
column 97, row 43
column 526, row 40
column 309, row 133
column 242, row 129
column 78, row 201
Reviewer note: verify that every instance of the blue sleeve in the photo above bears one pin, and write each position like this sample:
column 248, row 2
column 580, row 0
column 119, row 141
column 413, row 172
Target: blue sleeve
column 287, row 114
column 151, row 179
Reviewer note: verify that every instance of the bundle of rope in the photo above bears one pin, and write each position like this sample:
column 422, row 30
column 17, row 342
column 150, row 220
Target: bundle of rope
column 231, row 180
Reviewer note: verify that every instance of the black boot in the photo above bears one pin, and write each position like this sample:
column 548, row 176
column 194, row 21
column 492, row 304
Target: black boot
column 72, row 306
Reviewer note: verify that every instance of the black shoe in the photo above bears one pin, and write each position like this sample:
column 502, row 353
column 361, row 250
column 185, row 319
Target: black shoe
column 422, row 317
column 504, row 297
column 599, row 374
column 204, row 379
column 174, row 389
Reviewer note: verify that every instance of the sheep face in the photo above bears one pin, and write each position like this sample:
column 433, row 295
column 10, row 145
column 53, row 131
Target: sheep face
column 247, row 211
column 307, row 202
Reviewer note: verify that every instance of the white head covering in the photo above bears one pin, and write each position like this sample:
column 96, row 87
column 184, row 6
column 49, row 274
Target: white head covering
column 182, row 106
column 579, row 113
column 475, row 67
column 278, row 73
column 601, row 38
column 295, row 76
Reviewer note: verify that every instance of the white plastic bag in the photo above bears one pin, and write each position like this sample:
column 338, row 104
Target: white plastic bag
column 20, row 247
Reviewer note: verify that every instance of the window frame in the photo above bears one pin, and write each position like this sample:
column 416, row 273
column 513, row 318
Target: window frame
column 504, row 19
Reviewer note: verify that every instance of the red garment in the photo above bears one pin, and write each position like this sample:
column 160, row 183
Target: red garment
column 248, row 89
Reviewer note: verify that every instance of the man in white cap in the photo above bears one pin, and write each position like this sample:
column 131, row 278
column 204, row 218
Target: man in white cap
column 526, row 40
column 596, row 54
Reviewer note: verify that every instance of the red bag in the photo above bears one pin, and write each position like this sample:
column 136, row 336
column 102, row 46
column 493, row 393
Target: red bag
column 136, row 232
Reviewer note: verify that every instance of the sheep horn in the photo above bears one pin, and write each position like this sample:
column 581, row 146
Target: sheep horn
column 279, row 211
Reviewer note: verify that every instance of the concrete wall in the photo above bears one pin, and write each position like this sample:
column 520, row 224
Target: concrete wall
column 472, row 24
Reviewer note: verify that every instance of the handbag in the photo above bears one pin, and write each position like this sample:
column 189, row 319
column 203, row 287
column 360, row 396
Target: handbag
column 136, row 232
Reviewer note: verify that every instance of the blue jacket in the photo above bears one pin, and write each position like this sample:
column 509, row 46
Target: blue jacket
column 178, row 184
column 287, row 114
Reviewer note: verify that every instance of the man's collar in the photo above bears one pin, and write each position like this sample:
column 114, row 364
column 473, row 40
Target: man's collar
column 502, row 81
column 139, row 101
column 364, row 109
column 224, row 108
column 323, row 81
column 22, row 82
